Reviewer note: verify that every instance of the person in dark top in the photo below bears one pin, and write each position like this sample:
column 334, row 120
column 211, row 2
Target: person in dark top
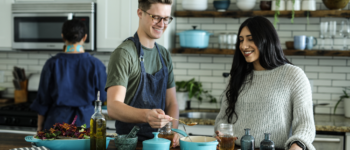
column 69, row 82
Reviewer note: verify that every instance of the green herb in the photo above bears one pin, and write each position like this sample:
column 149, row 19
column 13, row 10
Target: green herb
column 277, row 12
column 292, row 20
column 346, row 95
column 194, row 89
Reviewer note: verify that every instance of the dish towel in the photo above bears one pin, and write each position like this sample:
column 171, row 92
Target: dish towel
column 31, row 148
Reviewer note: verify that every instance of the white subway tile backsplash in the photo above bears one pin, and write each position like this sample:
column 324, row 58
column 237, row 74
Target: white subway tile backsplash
column 39, row 56
column 188, row 65
column 181, row 20
column 211, row 79
column 307, row 33
column 8, row 61
column 317, row 69
column 336, row 76
column 3, row 67
column 35, row 68
column 212, row 66
column 321, row 96
column 322, row 110
column 201, row 20
column 213, row 26
column 3, row 55
column 313, row 28
column 336, row 97
column 187, row 26
column 349, row 62
column 225, row 20
column 339, row 111
column 219, row 72
column 284, row 33
column 343, row 83
column 341, row 69
column 233, row 27
column 185, row 78
column 297, row 61
column 42, row 62
column 17, row 55
column 200, row 59
column 200, row 72
column 28, row 61
column 322, row 82
column 333, row 62
column 221, row 86
column 223, row 60
column 292, row 27
column 348, row 77
column 180, row 71
column 311, row 75
column 175, row 58
column 330, row 90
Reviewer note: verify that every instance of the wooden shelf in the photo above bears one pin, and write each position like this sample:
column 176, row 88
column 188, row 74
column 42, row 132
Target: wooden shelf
column 286, row 52
column 288, row 14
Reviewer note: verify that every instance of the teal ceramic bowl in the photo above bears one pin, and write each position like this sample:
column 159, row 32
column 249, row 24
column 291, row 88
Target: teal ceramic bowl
column 60, row 144
column 125, row 144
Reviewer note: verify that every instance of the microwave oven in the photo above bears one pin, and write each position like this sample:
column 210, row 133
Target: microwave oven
column 38, row 26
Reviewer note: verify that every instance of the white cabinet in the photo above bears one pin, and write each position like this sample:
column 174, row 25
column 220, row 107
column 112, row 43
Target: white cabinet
column 6, row 23
column 329, row 142
column 347, row 139
column 118, row 20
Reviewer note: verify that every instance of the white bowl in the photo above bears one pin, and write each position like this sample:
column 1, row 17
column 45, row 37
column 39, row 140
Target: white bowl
column 195, row 5
column 246, row 5
column 281, row 8
column 308, row 5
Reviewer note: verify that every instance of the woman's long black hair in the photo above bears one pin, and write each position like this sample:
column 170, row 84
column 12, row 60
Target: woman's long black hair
column 271, row 56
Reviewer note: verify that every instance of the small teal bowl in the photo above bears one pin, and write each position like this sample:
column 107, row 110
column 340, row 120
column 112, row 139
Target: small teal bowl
column 222, row 5
column 60, row 144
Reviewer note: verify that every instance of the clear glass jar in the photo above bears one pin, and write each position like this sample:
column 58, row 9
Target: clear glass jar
column 226, row 135
column 166, row 132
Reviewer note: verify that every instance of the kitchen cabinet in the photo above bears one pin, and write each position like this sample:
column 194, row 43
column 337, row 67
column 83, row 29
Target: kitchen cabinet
column 347, row 141
column 6, row 23
column 118, row 20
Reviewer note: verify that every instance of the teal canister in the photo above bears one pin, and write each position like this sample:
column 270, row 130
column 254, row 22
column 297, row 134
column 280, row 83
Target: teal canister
column 156, row 143
column 247, row 141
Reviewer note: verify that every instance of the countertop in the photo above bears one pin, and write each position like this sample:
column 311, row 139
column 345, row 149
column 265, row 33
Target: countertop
column 330, row 123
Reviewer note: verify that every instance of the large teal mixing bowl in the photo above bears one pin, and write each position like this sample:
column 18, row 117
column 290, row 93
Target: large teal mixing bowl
column 196, row 142
column 64, row 144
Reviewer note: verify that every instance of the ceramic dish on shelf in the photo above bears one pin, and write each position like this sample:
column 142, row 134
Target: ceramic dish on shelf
column 195, row 5
column 246, row 5
column 60, row 144
column 221, row 5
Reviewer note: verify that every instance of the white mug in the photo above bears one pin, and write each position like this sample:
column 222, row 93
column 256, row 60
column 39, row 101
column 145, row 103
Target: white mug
column 289, row 5
column 308, row 5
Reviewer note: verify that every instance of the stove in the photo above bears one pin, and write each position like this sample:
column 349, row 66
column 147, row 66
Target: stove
column 18, row 115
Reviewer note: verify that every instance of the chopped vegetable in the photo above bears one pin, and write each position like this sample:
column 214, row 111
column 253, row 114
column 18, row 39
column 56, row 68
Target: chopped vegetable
column 66, row 130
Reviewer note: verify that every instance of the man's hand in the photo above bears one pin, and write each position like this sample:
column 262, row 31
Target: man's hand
column 295, row 147
column 176, row 139
column 156, row 118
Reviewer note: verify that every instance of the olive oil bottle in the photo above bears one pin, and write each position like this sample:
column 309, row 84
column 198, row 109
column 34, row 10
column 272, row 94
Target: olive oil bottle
column 98, row 127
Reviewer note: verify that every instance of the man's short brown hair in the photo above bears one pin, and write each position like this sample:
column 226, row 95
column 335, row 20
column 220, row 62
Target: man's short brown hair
column 146, row 4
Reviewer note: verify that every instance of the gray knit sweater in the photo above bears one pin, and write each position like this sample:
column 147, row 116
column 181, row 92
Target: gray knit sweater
column 277, row 101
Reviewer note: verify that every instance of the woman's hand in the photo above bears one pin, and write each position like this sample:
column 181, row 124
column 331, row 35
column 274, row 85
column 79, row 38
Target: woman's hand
column 218, row 133
column 176, row 141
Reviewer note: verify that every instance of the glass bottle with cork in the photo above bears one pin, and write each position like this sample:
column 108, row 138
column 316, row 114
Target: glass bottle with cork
column 98, row 127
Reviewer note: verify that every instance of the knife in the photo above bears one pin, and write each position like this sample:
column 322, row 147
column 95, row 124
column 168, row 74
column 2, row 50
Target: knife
column 17, row 84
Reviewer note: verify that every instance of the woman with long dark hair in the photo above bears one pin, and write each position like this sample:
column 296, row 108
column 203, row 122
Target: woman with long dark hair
column 266, row 92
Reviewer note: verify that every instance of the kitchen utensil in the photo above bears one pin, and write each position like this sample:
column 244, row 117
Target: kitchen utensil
column 310, row 42
column 309, row 5
column 245, row 5
column 231, row 40
column 195, row 5
column 290, row 5
column 123, row 143
column 17, row 84
column 221, row 5
column 323, row 32
column 60, row 144
column 156, row 143
column 290, row 44
column 332, row 31
column 227, row 141
column 344, row 32
column 281, row 6
column 300, row 42
column 265, row 5
column 197, row 143
column 335, row 4
column 194, row 38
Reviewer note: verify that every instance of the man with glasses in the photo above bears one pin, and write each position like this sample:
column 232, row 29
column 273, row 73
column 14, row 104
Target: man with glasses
column 140, row 84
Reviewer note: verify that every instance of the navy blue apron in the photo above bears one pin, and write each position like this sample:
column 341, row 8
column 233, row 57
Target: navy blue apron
column 150, row 94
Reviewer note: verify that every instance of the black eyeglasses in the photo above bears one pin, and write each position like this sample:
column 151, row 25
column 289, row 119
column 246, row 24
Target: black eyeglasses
column 157, row 19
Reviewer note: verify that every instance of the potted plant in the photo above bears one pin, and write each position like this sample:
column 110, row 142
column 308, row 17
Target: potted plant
column 346, row 98
column 277, row 11
column 186, row 90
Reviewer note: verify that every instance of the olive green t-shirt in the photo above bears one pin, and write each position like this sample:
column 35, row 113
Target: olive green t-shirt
column 124, row 67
